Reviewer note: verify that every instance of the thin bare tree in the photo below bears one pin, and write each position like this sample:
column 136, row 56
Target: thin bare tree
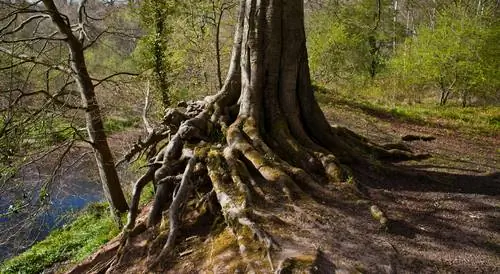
column 52, row 43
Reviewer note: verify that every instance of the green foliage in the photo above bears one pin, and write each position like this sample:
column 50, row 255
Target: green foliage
column 455, row 55
column 187, row 42
column 349, row 41
column 412, row 54
column 74, row 242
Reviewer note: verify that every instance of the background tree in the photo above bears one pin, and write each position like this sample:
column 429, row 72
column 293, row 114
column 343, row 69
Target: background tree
column 218, row 8
column 351, row 42
column 48, row 47
column 155, row 18
column 194, row 55
column 352, row 39
column 450, row 55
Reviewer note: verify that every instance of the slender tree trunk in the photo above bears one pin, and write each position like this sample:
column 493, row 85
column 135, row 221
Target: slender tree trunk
column 432, row 16
column 464, row 98
column 217, row 52
column 444, row 93
column 104, row 158
column 218, row 20
column 372, row 40
column 160, row 72
column 394, row 22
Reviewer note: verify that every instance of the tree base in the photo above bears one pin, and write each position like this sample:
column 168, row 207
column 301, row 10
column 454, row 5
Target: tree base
column 229, row 179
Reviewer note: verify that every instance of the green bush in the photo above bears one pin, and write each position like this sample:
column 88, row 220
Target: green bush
column 455, row 57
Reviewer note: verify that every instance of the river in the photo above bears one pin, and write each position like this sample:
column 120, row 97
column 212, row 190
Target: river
column 27, row 217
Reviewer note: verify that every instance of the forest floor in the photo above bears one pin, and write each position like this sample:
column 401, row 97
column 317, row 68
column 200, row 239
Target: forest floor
column 444, row 213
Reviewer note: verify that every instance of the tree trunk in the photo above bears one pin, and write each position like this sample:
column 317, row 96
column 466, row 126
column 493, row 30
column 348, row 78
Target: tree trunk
column 261, row 145
column 445, row 92
column 218, row 19
column 161, row 81
column 465, row 94
column 394, row 22
column 95, row 128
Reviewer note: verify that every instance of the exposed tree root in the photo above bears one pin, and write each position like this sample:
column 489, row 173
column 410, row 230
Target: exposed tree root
column 242, row 171
column 179, row 198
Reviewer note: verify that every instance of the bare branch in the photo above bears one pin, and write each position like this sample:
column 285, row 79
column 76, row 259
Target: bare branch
column 147, row 103
column 59, row 163
column 24, row 23
column 77, row 132
column 35, row 38
column 13, row 65
column 33, row 60
column 100, row 81
column 81, row 21
column 20, row 10
column 93, row 41
column 9, row 23
column 93, row 18
column 44, row 154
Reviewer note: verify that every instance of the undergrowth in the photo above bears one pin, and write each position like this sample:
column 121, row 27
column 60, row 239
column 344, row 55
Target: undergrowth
column 93, row 227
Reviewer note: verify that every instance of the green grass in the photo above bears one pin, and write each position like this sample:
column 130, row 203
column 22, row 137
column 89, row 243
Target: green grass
column 91, row 229
column 480, row 120
column 117, row 124
column 483, row 120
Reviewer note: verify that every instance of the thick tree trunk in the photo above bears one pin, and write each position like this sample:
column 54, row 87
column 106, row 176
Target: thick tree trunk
column 262, row 144
column 105, row 162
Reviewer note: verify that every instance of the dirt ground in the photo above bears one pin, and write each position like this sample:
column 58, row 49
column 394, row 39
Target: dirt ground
column 444, row 213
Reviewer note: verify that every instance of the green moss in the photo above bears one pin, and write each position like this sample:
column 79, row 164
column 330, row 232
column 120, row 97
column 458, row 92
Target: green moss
column 224, row 241
column 91, row 229
column 201, row 151
column 299, row 264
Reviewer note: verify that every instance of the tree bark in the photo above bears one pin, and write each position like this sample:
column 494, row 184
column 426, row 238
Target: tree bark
column 97, row 136
column 262, row 142
column 160, row 72
column 217, row 17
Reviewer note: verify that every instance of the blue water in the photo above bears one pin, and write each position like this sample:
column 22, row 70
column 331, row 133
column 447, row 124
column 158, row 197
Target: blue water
column 19, row 229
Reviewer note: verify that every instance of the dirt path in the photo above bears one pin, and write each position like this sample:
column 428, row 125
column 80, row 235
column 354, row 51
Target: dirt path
column 446, row 212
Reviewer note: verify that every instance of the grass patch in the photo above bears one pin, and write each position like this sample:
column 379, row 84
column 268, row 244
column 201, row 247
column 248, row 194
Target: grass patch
column 117, row 124
column 483, row 120
column 74, row 242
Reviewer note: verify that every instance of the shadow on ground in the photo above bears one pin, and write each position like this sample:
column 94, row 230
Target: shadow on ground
column 439, row 220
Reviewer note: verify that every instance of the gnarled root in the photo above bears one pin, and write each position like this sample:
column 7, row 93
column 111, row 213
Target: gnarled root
column 250, row 174
column 179, row 198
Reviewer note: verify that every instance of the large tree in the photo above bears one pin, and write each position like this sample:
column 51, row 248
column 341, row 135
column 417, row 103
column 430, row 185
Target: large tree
column 260, row 150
